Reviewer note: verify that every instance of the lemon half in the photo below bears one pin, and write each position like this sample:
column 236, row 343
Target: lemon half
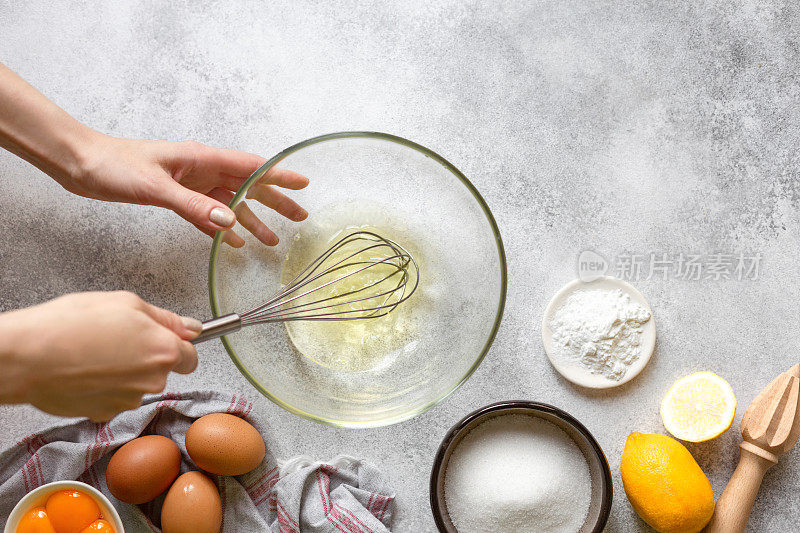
column 698, row 407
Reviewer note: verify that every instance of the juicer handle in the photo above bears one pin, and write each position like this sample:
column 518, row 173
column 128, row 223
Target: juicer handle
column 733, row 507
column 217, row 327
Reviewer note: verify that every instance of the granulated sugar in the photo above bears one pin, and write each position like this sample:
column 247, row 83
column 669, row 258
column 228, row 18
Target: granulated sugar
column 515, row 474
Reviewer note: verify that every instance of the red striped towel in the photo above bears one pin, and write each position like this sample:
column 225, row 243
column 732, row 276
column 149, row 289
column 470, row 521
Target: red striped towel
column 353, row 496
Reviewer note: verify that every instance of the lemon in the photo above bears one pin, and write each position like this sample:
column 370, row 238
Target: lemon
column 665, row 484
column 698, row 407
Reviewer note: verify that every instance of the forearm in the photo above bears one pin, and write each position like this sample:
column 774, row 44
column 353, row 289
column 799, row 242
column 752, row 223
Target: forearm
column 37, row 130
column 14, row 368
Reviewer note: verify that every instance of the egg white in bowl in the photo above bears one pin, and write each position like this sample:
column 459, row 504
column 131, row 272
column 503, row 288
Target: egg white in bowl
column 443, row 331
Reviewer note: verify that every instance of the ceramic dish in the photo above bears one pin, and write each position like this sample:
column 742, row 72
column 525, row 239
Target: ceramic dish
column 371, row 178
column 602, row 487
column 578, row 374
column 37, row 497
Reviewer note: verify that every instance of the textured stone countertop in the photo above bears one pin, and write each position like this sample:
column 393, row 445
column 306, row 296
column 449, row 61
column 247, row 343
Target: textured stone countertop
column 625, row 128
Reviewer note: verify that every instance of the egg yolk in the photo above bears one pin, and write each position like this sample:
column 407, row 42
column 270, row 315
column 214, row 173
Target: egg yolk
column 99, row 525
column 71, row 511
column 35, row 521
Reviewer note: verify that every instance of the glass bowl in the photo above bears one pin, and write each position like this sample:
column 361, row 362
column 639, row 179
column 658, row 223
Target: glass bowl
column 440, row 335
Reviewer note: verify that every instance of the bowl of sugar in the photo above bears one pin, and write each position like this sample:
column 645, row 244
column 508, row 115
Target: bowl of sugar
column 520, row 466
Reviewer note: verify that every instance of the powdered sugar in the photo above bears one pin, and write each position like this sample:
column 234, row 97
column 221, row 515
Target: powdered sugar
column 599, row 329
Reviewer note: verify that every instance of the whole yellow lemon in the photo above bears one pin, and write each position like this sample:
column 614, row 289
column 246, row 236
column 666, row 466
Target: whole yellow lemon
column 665, row 484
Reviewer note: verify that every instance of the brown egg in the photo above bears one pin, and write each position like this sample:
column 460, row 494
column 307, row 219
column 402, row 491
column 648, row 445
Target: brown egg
column 143, row 468
column 224, row 444
column 192, row 505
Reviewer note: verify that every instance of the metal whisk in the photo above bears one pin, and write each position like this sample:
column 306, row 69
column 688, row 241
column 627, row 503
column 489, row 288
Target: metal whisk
column 396, row 279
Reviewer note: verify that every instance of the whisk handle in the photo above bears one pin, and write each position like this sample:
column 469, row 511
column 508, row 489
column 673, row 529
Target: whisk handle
column 216, row 327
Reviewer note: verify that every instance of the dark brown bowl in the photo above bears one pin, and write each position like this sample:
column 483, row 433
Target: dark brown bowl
column 602, row 488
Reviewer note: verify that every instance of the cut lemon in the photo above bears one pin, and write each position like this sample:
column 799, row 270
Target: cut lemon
column 698, row 407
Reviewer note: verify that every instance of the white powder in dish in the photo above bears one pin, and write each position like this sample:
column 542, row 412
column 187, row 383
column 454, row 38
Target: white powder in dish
column 599, row 329
column 517, row 474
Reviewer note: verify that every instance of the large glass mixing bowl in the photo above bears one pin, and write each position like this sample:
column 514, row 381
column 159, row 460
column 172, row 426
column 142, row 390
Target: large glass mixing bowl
column 392, row 184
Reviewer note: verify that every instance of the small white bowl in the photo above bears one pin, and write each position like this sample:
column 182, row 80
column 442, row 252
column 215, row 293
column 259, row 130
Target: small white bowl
column 37, row 498
column 573, row 371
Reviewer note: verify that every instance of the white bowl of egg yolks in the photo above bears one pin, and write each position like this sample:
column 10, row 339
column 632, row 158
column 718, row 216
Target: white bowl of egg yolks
column 38, row 498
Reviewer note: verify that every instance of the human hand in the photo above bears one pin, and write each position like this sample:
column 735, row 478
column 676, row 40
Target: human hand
column 193, row 180
column 92, row 354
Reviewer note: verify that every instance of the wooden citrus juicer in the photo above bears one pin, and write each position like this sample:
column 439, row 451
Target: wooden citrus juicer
column 770, row 427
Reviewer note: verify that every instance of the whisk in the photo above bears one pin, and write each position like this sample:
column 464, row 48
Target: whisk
column 395, row 277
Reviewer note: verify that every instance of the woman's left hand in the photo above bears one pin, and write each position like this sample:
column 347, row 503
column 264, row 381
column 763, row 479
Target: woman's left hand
column 193, row 180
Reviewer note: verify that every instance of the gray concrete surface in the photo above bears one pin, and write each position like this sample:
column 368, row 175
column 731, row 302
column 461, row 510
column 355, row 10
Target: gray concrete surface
column 622, row 127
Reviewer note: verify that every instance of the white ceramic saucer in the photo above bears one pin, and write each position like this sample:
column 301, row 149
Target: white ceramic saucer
column 573, row 371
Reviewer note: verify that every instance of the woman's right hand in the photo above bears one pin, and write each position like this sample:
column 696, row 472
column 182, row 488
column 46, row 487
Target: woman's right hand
column 92, row 354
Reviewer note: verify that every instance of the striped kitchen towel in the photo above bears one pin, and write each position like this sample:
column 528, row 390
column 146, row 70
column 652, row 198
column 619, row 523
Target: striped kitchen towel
column 346, row 496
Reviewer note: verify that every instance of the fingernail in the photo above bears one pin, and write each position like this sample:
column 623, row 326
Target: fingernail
column 221, row 216
column 192, row 324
